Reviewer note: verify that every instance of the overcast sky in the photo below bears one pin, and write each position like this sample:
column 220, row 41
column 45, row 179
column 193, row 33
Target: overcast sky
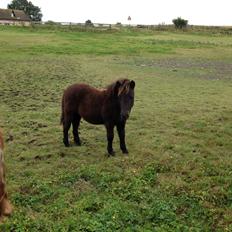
column 197, row 12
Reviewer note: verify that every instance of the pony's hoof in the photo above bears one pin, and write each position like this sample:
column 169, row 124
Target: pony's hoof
column 78, row 144
column 7, row 208
column 77, row 141
column 125, row 151
column 111, row 153
column 66, row 144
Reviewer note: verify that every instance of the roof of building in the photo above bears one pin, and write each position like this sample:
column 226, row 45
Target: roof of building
column 16, row 15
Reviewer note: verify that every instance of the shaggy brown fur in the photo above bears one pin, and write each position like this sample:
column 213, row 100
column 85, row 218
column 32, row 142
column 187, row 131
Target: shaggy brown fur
column 110, row 107
column 5, row 206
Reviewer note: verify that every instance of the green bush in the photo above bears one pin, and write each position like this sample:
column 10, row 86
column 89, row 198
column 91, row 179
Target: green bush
column 88, row 23
column 180, row 23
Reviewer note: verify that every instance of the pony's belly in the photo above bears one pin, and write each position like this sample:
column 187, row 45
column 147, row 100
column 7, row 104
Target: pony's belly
column 92, row 120
column 91, row 114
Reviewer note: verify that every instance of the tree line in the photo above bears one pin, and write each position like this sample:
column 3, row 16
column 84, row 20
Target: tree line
column 34, row 12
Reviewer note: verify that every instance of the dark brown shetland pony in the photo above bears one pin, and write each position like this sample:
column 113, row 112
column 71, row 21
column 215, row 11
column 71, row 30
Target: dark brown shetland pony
column 110, row 107
column 5, row 206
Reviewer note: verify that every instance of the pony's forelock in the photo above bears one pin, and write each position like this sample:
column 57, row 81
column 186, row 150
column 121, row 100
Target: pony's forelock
column 123, row 88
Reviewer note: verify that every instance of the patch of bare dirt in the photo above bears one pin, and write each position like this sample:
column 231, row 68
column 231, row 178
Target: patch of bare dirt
column 213, row 69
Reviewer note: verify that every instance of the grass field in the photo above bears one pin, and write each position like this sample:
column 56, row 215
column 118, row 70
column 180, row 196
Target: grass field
column 178, row 175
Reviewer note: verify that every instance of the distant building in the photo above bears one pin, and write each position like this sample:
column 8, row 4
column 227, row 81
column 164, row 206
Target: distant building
column 14, row 17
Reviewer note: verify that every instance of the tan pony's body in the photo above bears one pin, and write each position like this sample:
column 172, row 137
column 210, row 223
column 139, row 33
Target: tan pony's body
column 5, row 206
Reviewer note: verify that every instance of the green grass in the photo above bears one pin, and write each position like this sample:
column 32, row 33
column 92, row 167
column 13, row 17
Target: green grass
column 177, row 176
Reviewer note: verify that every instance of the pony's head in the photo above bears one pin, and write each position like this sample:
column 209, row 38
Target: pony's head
column 124, row 91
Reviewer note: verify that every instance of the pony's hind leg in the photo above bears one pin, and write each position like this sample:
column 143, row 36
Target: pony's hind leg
column 66, row 127
column 110, row 138
column 75, row 124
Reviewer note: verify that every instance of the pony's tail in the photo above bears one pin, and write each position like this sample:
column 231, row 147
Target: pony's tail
column 62, row 112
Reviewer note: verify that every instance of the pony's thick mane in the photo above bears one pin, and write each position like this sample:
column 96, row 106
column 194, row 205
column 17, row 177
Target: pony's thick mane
column 124, row 88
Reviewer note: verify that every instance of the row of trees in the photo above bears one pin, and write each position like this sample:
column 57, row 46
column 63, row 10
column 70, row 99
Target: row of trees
column 178, row 22
column 35, row 13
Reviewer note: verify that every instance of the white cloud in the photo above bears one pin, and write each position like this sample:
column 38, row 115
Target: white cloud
column 198, row 12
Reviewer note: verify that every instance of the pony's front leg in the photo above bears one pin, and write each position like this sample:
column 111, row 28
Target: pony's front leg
column 121, row 135
column 110, row 138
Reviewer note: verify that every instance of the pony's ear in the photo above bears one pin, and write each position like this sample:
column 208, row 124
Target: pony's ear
column 116, row 87
column 132, row 84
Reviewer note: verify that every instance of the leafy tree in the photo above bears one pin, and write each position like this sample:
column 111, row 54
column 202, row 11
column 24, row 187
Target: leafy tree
column 33, row 11
column 180, row 23
column 88, row 22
